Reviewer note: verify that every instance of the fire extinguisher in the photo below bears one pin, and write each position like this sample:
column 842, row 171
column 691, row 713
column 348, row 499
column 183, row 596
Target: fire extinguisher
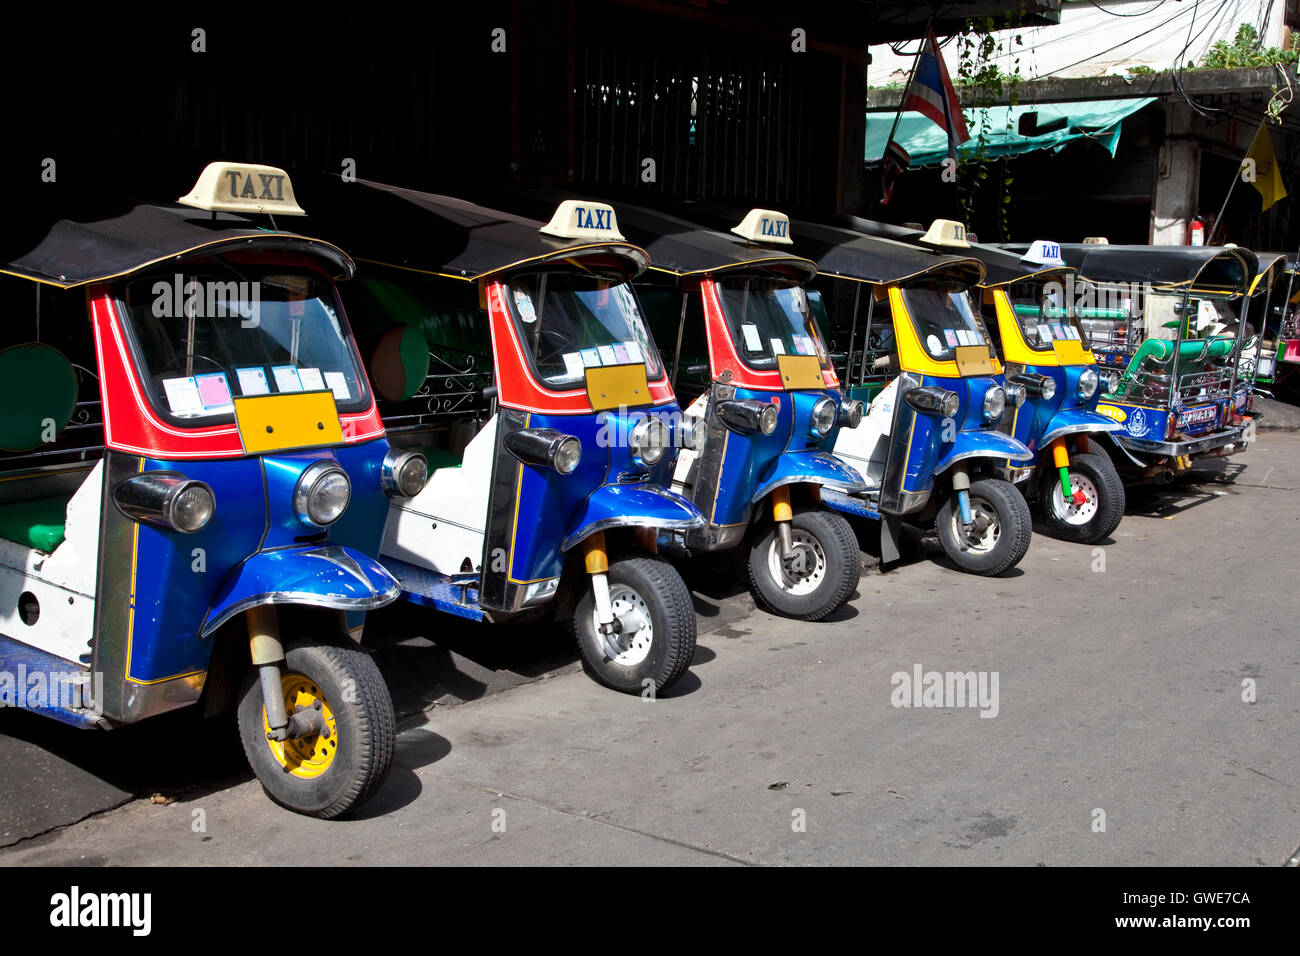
column 1196, row 232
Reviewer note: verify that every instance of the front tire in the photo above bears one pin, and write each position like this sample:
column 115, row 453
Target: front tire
column 1103, row 506
column 332, row 773
column 823, row 578
column 1005, row 537
column 657, row 640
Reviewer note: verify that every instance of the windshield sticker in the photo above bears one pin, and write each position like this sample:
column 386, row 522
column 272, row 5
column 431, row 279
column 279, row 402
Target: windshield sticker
column 338, row 384
column 778, row 347
column 573, row 365
column 1044, row 333
column 286, row 378
column 311, row 380
column 252, row 381
column 1057, row 331
column 183, row 396
column 591, row 358
column 607, row 356
column 214, row 392
column 1072, row 332
column 752, row 342
column 634, row 354
column 951, row 337
column 524, row 303
column 620, row 353
column 933, row 343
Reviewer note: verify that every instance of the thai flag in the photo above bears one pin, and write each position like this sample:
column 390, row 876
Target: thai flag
column 895, row 162
column 932, row 95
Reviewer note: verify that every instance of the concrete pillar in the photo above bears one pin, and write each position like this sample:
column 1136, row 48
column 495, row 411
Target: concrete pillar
column 1176, row 191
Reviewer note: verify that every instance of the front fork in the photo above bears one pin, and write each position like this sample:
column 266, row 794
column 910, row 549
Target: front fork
column 267, row 652
column 596, row 559
column 783, row 515
column 1061, row 461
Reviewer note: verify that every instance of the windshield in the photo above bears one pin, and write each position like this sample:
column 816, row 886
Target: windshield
column 1045, row 316
column 571, row 321
column 208, row 337
column 944, row 319
column 770, row 317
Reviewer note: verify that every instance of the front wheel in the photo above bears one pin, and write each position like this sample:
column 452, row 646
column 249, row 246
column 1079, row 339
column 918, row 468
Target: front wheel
column 335, row 770
column 999, row 536
column 1096, row 507
column 819, row 575
column 654, row 637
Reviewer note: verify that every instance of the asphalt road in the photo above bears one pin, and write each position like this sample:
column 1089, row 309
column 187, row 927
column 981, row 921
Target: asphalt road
column 1121, row 732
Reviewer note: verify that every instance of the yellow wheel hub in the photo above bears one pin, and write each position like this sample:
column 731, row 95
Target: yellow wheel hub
column 307, row 756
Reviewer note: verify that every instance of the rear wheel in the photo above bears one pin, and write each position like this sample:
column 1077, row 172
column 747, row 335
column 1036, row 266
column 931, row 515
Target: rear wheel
column 999, row 536
column 654, row 635
column 338, row 768
column 1096, row 507
column 819, row 575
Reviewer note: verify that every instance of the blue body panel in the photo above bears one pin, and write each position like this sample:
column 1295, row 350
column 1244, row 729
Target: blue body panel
column 812, row 467
column 1040, row 420
column 981, row 444
column 638, row 505
column 1076, row 421
column 456, row 595
column 179, row 579
column 750, row 461
column 552, row 508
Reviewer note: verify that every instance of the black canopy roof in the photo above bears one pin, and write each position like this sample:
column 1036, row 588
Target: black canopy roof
column 75, row 252
column 850, row 254
column 1001, row 265
column 1207, row 268
column 442, row 235
column 684, row 248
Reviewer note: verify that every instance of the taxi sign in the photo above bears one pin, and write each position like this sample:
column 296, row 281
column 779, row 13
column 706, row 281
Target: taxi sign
column 574, row 219
column 765, row 225
column 1096, row 241
column 946, row 232
column 1044, row 252
column 243, row 187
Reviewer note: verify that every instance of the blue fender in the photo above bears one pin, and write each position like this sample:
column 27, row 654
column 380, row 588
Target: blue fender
column 632, row 506
column 322, row 576
column 813, row 468
column 983, row 443
column 1074, row 421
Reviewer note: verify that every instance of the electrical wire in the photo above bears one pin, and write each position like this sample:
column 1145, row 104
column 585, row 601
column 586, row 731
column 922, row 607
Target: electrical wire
column 1112, row 13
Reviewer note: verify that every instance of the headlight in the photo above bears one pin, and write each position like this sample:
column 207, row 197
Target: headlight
column 933, row 401
column 648, row 440
column 995, row 403
column 851, row 413
column 545, row 448
column 1088, row 383
column 692, row 433
column 322, row 494
column 822, row 419
column 1112, row 382
column 1043, row 386
column 748, row 416
column 167, row 499
column 403, row 473
column 1015, row 394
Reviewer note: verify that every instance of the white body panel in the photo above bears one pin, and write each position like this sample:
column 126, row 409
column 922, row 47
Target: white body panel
column 456, row 500
column 867, row 446
column 63, row 583
column 684, row 469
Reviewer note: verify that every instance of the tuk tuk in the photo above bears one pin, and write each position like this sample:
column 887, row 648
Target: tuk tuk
column 1165, row 326
column 1272, row 348
column 929, row 443
column 749, row 357
column 513, row 355
column 192, row 484
column 1045, row 349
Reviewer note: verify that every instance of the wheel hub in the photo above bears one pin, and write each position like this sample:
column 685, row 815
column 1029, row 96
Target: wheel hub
column 804, row 569
column 629, row 642
column 1083, row 503
column 310, row 752
column 981, row 535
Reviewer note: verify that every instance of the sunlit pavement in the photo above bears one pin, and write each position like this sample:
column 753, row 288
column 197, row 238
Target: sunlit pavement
column 1121, row 732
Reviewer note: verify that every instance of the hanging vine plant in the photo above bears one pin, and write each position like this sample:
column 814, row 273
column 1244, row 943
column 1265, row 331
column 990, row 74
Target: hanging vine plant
column 982, row 82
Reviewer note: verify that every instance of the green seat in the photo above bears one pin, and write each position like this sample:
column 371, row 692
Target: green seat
column 35, row 524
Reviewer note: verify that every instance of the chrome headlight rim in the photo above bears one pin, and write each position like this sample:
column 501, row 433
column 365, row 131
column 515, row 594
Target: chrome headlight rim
column 994, row 404
column 852, row 412
column 692, row 433
column 311, row 485
column 566, row 454
column 932, row 400
column 821, row 420
column 748, row 415
column 1015, row 393
column 647, row 441
column 1088, row 382
column 1112, row 382
column 395, row 476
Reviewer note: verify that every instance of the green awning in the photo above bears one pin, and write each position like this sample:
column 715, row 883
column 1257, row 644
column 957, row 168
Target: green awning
column 927, row 143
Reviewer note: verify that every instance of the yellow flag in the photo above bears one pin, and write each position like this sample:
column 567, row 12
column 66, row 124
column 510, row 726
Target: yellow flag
column 1260, row 168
